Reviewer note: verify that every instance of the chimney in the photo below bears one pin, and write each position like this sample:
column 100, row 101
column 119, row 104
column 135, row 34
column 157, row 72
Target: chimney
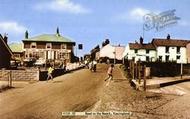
column 57, row 32
column 26, row 34
column 168, row 36
column 141, row 40
column 5, row 38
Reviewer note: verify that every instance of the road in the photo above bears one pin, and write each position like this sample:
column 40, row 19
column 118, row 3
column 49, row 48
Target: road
column 76, row 91
column 177, row 108
column 84, row 90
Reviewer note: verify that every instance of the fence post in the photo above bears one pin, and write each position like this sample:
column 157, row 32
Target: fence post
column 144, row 77
column 10, row 78
column 139, row 73
column 133, row 69
column 136, row 70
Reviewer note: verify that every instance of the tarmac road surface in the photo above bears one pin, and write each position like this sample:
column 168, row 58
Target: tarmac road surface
column 75, row 91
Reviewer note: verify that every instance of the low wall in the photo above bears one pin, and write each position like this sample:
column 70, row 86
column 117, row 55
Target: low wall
column 31, row 74
column 21, row 75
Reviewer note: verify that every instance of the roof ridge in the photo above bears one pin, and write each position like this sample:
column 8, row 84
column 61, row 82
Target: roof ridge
column 6, row 45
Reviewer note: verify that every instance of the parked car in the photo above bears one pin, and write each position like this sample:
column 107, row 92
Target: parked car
column 29, row 62
column 40, row 62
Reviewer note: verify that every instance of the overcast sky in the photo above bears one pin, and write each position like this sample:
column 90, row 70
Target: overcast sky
column 90, row 21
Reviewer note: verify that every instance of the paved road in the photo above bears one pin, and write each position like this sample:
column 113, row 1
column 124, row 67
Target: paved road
column 178, row 108
column 76, row 91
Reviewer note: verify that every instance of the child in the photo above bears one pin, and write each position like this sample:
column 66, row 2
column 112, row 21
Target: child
column 50, row 70
column 110, row 70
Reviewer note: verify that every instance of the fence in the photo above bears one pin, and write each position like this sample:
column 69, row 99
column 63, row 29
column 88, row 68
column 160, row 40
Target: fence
column 138, row 71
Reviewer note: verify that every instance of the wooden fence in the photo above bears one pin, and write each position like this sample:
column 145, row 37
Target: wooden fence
column 138, row 72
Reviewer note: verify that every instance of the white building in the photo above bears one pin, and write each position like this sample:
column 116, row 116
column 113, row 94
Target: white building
column 112, row 52
column 164, row 50
column 171, row 49
column 140, row 52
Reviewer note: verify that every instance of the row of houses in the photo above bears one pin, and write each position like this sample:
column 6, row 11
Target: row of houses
column 159, row 49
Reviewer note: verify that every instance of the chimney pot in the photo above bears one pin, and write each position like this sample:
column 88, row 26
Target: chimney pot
column 141, row 40
column 168, row 36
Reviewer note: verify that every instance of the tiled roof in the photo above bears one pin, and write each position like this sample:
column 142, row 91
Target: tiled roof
column 5, row 44
column 49, row 38
column 149, row 46
column 170, row 42
column 16, row 47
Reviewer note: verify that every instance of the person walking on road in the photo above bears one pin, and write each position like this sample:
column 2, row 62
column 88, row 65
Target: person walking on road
column 109, row 72
column 50, row 71
column 94, row 65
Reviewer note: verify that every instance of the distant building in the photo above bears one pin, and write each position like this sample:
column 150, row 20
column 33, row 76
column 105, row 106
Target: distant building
column 49, row 47
column 95, row 52
column 5, row 53
column 160, row 49
column 17, row 50
column 111, row 52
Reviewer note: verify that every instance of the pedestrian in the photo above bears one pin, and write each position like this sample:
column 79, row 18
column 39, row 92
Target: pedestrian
column 94, row 65
column 50, row 71
column 110, row 76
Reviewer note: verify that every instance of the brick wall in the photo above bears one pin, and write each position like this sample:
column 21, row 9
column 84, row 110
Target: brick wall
column 20, row 75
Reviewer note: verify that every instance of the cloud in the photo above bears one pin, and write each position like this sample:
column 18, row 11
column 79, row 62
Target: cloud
column 12, row 27
column 133, row 16
column 184, row 23
column 63, row 6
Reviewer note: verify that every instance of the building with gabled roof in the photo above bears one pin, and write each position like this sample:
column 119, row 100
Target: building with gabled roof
column 49, row 47
column 17, row 50
column 140, row 51
column 171, row 49
column 5, row 53
column 164, row 50
column 112, row 52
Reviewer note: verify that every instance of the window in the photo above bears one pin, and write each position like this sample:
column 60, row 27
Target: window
column 48, row 46
column 178, row 50
column 167, row 58
column 178, row 57
column 147, row 51
column 147, row 58
column 167, row 49
column 63, row 55
column 136, row 51
column 33, row 45
column 160, row 58
column 17, row 55
column 63, row 46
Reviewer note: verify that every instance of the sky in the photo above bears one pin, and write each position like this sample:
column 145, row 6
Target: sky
column 90, row 22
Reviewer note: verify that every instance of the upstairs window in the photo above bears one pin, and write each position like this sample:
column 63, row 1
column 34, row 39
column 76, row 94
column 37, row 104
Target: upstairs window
column 136, row 51
column 147, row 51
column 63, row 46
column 48, row 46
column 167, row 49
column 33, row 45
column 178, row 50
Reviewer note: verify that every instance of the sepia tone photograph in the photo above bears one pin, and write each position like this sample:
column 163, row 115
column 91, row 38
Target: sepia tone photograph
column 94, row 59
